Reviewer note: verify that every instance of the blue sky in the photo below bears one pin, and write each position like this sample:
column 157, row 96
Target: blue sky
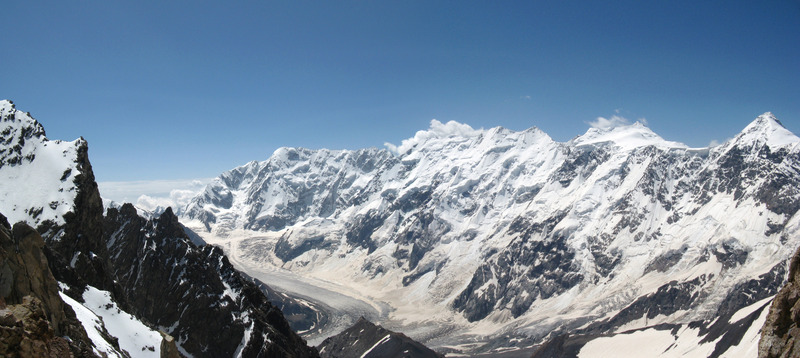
column 188, row 89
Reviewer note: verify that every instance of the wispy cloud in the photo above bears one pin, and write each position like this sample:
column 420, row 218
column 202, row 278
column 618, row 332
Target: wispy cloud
column 614, row 121
column 715, row 142
column 150, row 194
column 606, row 123
column 436, row 130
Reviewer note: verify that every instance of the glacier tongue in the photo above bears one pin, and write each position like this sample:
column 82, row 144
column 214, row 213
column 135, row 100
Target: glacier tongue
column 492, row 233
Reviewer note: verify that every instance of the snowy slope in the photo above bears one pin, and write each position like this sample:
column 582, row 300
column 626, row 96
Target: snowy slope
column 34, row 170
column 506, row 237
column 684, row 341
column 101, row 317
column 626, row 137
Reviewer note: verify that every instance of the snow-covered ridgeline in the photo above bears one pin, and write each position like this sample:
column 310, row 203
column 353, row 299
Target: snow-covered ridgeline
column 35, row 170
column 514, row 231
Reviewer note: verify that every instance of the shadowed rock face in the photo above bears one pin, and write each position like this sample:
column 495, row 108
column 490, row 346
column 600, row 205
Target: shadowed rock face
column 34, row 321
column 365, row 339
column 192, row 292
column 780, row 336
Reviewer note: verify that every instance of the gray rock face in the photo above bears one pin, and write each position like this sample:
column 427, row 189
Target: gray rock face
column 550, row 271
column 365, row 339
column 670, row 298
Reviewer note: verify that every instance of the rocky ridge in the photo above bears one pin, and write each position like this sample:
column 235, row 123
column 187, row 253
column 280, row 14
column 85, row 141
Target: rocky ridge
column 367, row 340
column 179, row 287
column 87, row 252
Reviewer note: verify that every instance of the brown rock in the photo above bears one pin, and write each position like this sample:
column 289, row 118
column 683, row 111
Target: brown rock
column 168, row 347
column 25, row 331
column 780, row 336
column 33, row 318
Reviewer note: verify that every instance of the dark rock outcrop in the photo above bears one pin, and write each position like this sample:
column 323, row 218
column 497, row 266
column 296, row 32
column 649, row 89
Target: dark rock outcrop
column 562, row 346
column 82, row 247
column 724, row 332
column 194, row 293
column 550, row 270
column 34, row 321
column 365, row 339
column 780, row 336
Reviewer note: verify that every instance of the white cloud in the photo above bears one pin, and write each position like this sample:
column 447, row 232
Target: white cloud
column 607, row 123
column 177, row 198
column 527, row 98
column 613, row 122
column 150, row 194
column 391, row 147
column 436, row 130
column 150, row 203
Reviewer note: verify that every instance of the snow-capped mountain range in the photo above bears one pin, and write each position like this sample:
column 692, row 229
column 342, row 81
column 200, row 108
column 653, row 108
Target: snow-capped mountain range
column 507, row 238
column 468, row 240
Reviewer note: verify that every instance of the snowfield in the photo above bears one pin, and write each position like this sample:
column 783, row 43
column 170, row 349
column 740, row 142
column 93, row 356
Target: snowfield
column 99, row 312
column 686, row 342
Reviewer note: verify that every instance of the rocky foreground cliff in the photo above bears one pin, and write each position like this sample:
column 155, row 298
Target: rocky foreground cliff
column 136, row 272
column 780, row 336
column 34, row 321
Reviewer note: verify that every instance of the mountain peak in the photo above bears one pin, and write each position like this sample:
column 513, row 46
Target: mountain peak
column 29, row 160
column 625, row 136
column 20, row 122
column 766, row 129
